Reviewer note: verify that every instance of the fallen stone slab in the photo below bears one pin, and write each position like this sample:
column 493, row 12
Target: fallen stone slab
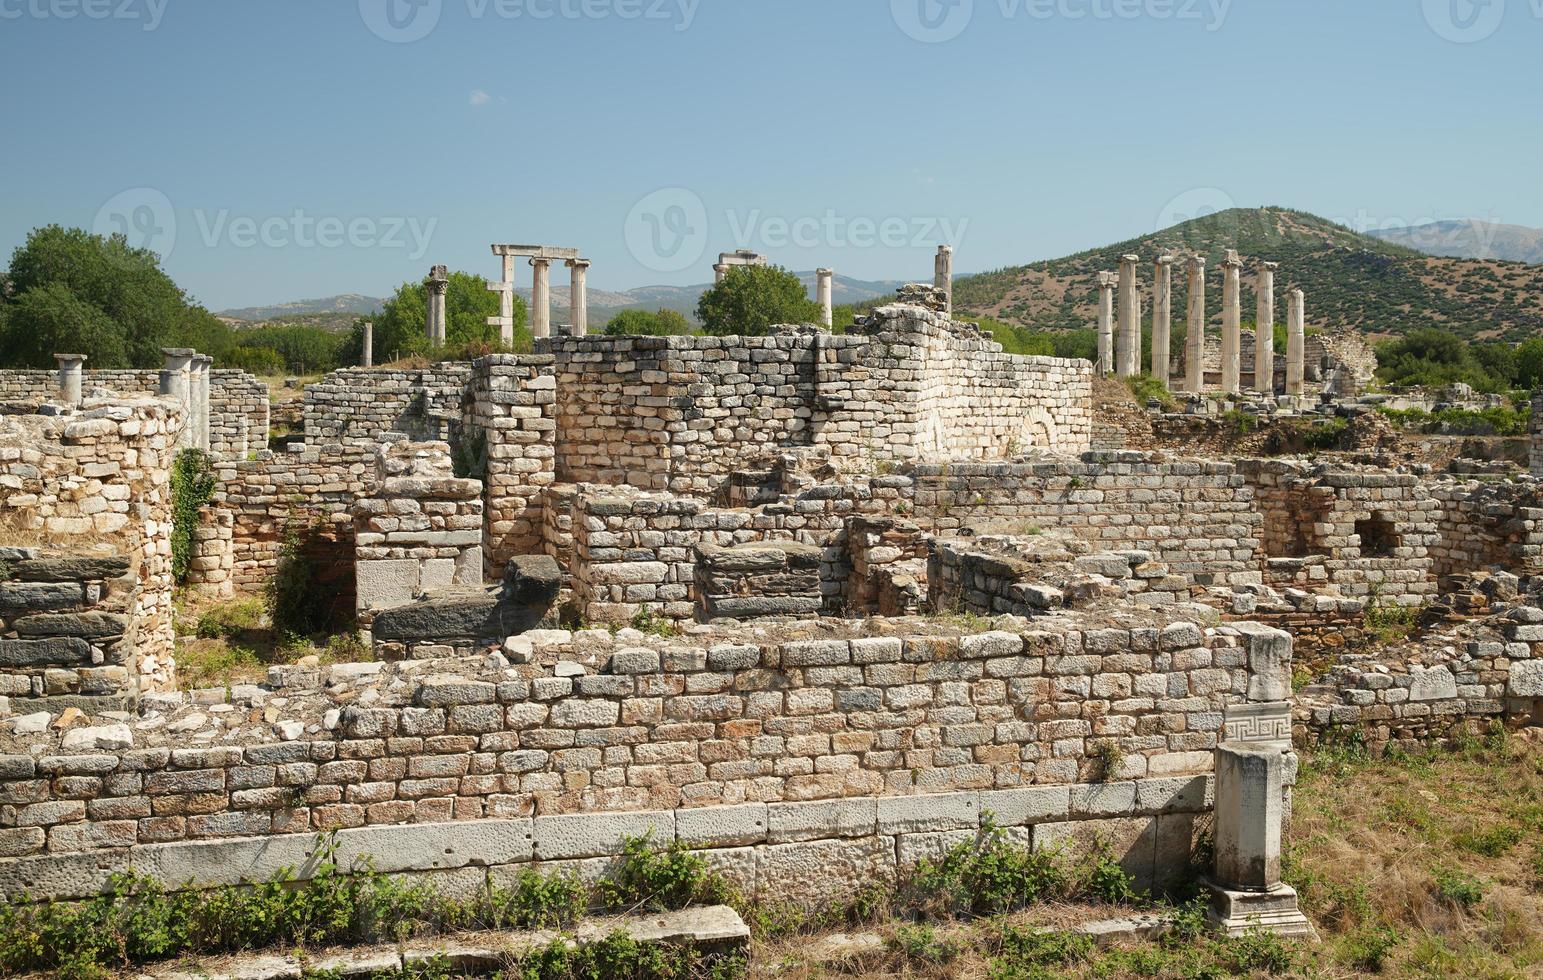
column 711, row 929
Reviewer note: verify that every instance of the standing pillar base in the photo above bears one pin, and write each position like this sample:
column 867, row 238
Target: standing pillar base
column 1237, row 913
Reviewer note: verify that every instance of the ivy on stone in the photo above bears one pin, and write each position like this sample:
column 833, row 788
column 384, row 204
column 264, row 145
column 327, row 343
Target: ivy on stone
column 192, row 487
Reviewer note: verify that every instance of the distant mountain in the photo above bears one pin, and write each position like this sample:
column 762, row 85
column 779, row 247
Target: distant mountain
column 338, row 312
column 346, row 303
column 1470, row 239
column 1351, row 280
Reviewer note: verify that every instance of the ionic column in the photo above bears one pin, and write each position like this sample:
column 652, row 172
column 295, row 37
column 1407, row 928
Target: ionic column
column 439, row 284
column 203, row 364
column 578, row 289
column 1296, row 343
column 70, row 377
column 1162, row 317
column 1264, row 329
column 1128, row 345
column 1194, row 340
column 1232, row 323
column 505, row 290
column 1106, row 281
column 175, row 385
column 943, row 274
column 541, row 299
column 824, row 290
column 719, row 271
column 368, row 354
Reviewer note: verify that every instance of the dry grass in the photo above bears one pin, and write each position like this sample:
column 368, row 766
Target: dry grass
column 221, row 642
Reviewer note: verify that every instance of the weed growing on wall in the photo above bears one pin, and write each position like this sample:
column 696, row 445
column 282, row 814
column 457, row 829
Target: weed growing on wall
column 192, row 487
column 295, row 604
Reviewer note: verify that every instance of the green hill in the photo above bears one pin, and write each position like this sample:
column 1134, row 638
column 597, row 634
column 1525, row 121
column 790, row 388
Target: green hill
column 1351, row 280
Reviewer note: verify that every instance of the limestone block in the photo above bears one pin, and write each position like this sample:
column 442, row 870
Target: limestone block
column 921, row 814
column 1031, row 805
column 1436, row 684
column 1249, row 812
column 598, row 834
column 822, row 871
column 722, row 826
column 387, row 583
column 1526, row 680
column 788, row 822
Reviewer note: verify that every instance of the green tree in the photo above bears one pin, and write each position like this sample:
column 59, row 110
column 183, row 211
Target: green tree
column 1529, row 363
column 752, row 299
column 144, row 309
column 50, row 319
column 399, row 326
column 641, row 323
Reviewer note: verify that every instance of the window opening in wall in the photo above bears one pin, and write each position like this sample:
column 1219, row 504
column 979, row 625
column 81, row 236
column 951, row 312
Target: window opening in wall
column 1378, row 536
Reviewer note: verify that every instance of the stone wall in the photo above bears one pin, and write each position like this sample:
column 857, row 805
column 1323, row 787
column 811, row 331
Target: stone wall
column 101, row 477
column 359, row 404
column 1373, row 529
column 511, row 412
column 1197, row 517
column 847, row 741
column 1483, row 526
column 238, row 402
column 67, row 622
column 1408, row 699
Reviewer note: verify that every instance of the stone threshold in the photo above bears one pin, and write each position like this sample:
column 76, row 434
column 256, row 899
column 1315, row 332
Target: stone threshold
column 713, row 929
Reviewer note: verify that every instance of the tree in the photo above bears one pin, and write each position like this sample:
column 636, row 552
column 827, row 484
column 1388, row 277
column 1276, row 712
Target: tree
column 144, row 309
column 641, row 323
column 399, row 326
column 1529, row 363
column 752, row 299
column 50, row 319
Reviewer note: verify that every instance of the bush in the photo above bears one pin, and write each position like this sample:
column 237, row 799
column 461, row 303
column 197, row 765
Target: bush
column 540, row 901
column 752, row 299
column 674, row 878
column 1458, row 888
column 192, row 487
column 986, row 876
column 295, row 604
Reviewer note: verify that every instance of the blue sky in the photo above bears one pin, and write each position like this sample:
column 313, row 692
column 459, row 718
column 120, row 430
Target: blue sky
column 653, row 134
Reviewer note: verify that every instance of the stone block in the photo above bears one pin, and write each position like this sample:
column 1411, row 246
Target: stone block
column 922, row 814
column 788, row 822
column 582, row 835
column 722, row 826
column 1030, row 805
column 814, row 873
column 1526, row 680
column 385, row 583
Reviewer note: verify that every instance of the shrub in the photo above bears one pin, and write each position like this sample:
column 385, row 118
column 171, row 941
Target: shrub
column 1028, row 952
column 539, row 901
column 672, row 878
column 921, row 944
column 1257, row 952
column 230, row 619
column 1104, row 879
column 986, row 876
column 295, row 604
column 1458, row 888
column 1367, row 949
column 192, row 487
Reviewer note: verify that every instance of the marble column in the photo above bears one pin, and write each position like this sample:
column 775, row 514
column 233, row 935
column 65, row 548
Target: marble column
column 1245, row 886
column 203, row 365
column 943, row 275
column 439, row 285
column 1232, row 323
column 1296, row 343
column 1264, row 329
column 71, row 390
column 824, row 289
column 367, row 353
column 578, row 295
column 1128, row 341
column 1162, row 318
column 505, row 290
column 541, row 299
column 1106, row 282
column 175, row 385
column 1194, row 340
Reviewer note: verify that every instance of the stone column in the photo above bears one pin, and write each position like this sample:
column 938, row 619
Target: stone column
column 719, row 271
column 579, row 295
column 1246, row 888
column 203, row 364
column 1106, row 282
column 175, row 385
column 1264, row 329
column 1128, row 341
column 1194, row 341
column 505, row 290
column 367, row 355
column 541, row 299
column 70, row 387
column 439, row 284
column 1232, row 323
column 1162, row 318
column 943, row 274
column 824, row 291
column 1296, row 343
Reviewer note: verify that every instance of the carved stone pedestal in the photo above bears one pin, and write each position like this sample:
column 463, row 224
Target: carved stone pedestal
column 1234, row 913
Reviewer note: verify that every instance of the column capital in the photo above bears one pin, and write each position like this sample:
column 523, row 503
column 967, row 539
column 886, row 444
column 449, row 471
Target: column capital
column 1165, row 260
column 825, row 272
column 1232, row 261
column 1268, row 266
column 69, row 360
column 1107, row 280
column 945, row 250
column 1130, row 259
column 1197, row 261
column 579, row 263
column 540, row 263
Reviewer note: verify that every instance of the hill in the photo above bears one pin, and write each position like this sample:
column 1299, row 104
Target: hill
column 349, row 303
column 1470, row 239
column 1352, row 280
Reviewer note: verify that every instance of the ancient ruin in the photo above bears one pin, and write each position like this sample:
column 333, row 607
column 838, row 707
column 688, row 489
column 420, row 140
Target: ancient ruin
column 820, row 604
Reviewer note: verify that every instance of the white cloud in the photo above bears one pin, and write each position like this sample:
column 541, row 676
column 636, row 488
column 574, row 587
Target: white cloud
column 479, row 97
